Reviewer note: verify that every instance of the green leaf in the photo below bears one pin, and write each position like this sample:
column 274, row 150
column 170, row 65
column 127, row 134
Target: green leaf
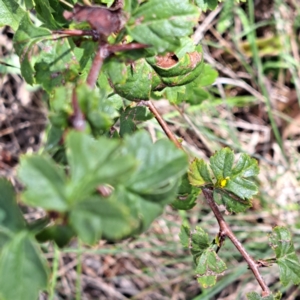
column 208, row 263
column 24, row 39
column 256, row 296
column 235, row 184
column 221, row 163
column 95, row 162
column 174, row 94
column 155, row 183
column 98, row 217
column 57, row 64
column 45, row 183
column 60, row 234
column 44, row 61
column 195, row 95
column 184, row 236
column 289, row 266
column 231, row 201
column 198, row 173
column 10, row 13
column 240, row 182
column 99, row 110
column 207, row 4
column 135, row 82
column 207, row 76
column 226, row 16
column 187, row 195
column 131, row 116
column 22, row 268
column 187, row 45
column 50, row 13
column 11, row 218
column 209, row 267
column 174, row 70
column 161, row 23
column 199, row 243
column 160, row 165
column 29, row 4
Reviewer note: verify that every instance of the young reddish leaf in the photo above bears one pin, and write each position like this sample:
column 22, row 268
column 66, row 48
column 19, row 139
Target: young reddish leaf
column 103, row 20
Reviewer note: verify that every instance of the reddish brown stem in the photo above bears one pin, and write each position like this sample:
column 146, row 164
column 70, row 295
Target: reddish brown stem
column 226, row 231
column 126, row 47
column 101, row 54
column 163, row 125
column 74, row 32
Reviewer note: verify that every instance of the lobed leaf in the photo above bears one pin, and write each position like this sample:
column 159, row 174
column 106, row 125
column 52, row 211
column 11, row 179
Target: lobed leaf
column 234, row 183
column 209, row 267
column 289, row 266
column 199, row 243
column 221, row 163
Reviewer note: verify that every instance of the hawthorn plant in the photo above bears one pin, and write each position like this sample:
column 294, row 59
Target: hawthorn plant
column 99, row 175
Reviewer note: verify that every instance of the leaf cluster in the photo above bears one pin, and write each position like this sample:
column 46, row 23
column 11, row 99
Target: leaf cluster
column 109, row 180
